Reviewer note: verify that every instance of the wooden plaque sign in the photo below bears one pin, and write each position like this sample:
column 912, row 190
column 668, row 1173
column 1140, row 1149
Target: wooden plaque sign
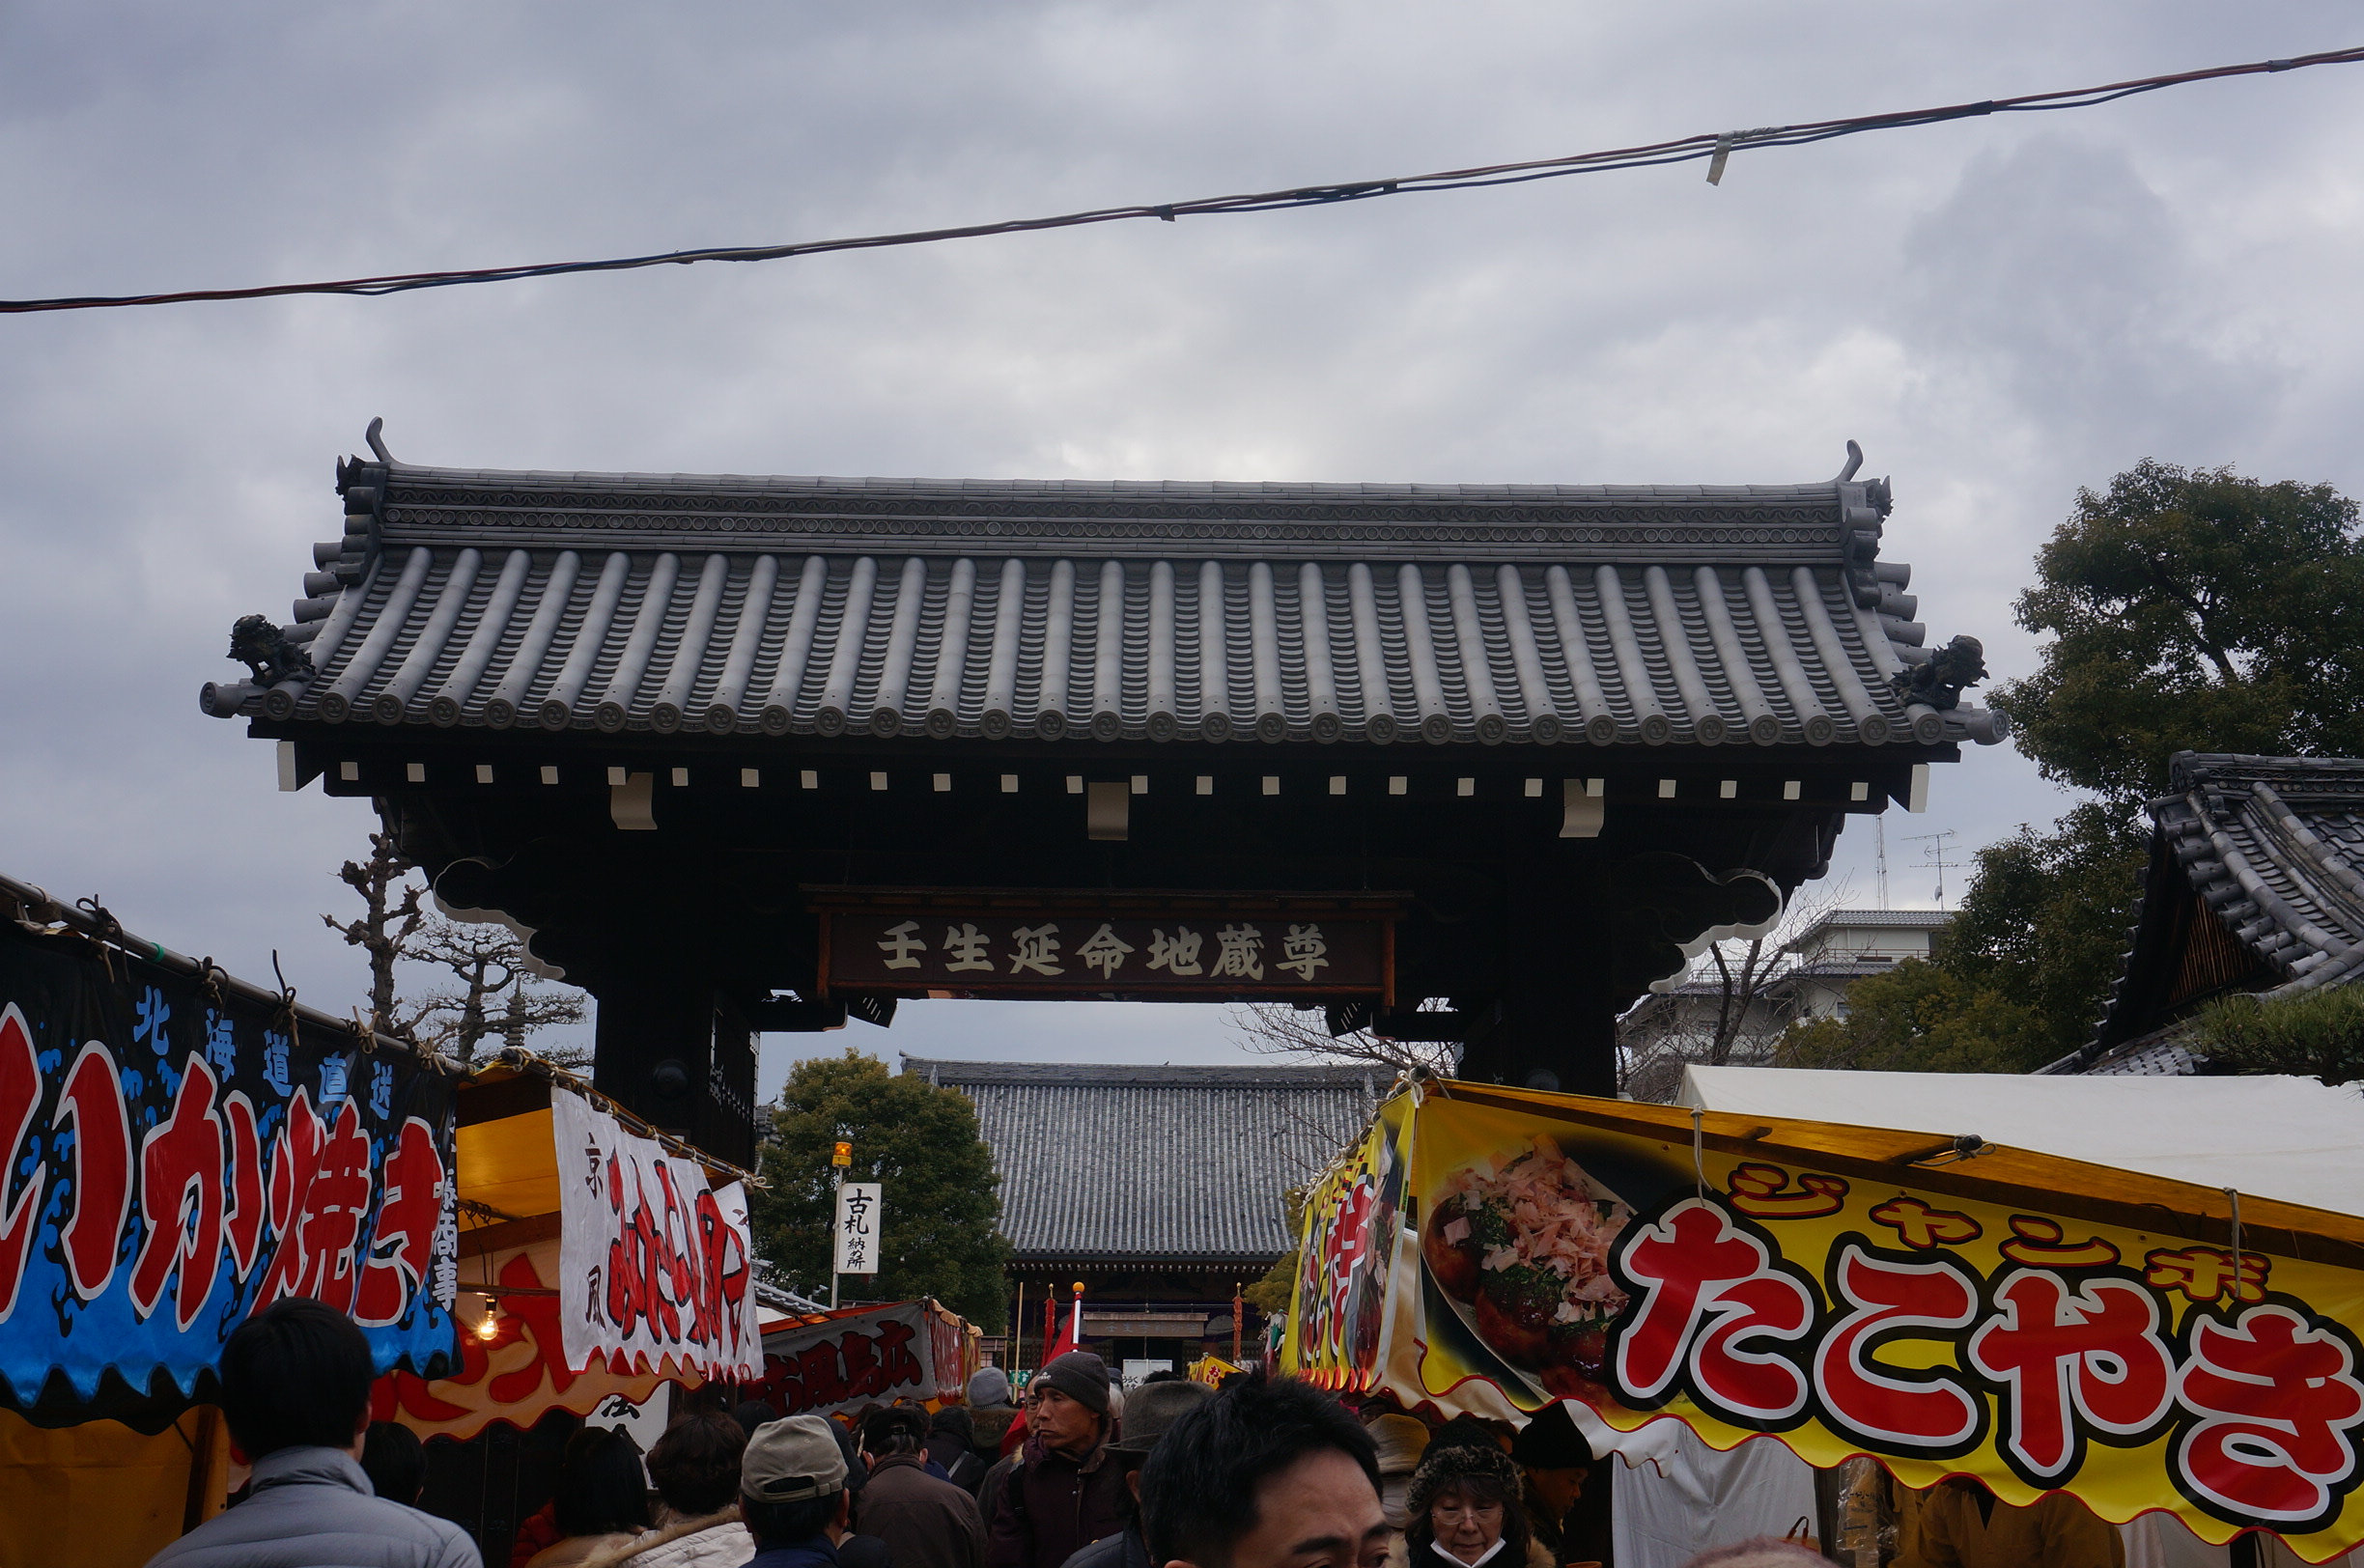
column 1191, row 948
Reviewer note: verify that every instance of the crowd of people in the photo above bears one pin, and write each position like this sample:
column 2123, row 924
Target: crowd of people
column 1258, row 1474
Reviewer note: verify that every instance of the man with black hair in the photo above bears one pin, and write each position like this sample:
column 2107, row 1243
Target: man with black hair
column 395, row 1461
column 1151, row 1413
column 1266, row 1475
column 925, row 1523
column 296, row 1389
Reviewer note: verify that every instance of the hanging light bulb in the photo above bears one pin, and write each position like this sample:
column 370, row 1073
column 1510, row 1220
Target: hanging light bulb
column 487, row 1327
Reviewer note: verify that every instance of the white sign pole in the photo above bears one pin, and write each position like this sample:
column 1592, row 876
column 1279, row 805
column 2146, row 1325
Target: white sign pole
column 858, row 1216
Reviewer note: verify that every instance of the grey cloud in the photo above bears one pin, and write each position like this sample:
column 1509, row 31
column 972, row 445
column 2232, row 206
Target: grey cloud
column 162, row 472
column 2056, row 271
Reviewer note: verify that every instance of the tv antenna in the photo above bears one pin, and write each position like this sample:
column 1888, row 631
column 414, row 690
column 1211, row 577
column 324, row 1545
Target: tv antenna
column 1879, row 826
column 1934, row 856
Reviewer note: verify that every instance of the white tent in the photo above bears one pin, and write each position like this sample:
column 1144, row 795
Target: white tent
column 2290, row 1139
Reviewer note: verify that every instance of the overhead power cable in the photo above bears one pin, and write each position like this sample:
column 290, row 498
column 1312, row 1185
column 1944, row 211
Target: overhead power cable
column 1715, row 147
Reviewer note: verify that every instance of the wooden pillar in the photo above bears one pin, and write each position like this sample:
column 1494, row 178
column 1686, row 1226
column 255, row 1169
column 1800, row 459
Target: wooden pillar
column 654, row 1046
column 1553, row 1024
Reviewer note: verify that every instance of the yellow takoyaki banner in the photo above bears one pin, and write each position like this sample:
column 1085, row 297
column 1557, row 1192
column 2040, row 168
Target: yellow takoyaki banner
column 2037, row 1323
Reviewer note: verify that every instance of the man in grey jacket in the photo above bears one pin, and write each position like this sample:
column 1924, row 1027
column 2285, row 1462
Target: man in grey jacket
column 295, row 1388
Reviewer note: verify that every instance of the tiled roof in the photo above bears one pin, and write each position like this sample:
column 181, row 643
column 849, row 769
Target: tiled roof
column 1869, row 919
column 1064, row 609
column 2274, row 845
column 1900, row 919
column 2274, row 849
column 1182, row 1163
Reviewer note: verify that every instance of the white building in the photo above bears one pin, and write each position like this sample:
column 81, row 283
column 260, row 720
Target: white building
column 1844, row 947
column 1806, row 978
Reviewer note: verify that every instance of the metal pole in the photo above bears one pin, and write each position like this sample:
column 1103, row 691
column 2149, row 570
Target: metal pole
column 837, row 1184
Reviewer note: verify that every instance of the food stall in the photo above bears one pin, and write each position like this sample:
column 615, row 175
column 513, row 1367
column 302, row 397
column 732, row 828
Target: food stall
column 826, row 1363
column 178, row 1149
column 600, row 1264
column 1944, row 1305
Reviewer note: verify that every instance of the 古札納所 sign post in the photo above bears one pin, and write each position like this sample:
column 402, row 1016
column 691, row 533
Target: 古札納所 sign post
column 860, row 1213
column 1179, row 948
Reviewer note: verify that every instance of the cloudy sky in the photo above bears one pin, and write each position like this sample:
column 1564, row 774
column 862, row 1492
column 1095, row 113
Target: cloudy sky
column 1998, row 309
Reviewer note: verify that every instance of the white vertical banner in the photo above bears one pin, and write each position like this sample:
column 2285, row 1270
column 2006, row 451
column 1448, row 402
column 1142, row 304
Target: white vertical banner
column 654, row 1262
column 860, row 1212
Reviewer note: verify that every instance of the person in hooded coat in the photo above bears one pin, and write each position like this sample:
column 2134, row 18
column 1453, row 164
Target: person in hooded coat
column 991, row 1414
column 951, row 1447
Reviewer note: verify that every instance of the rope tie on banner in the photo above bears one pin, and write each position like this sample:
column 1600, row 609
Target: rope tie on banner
column 28, row 914
column 1698, row 1152
column 287, row 997
column 2234, row 1195
column 110, row 934
column 210, row 976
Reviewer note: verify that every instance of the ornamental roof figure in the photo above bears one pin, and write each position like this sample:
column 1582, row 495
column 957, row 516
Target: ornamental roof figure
column 1071, row 612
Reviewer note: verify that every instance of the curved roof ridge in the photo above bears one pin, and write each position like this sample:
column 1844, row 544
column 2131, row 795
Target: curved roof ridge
column 1139, row 488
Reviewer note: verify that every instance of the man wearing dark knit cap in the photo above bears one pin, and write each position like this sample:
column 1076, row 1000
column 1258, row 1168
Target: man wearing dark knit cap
column 1064, row 1492
column 1566, row 1502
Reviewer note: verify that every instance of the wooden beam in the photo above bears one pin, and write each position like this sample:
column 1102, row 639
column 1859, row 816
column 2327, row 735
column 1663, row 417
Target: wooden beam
column 507, row 1235
column 503, row 1097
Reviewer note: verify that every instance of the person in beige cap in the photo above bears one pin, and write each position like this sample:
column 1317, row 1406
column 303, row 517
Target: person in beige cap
column 793, row 1497
column 1402, row 1440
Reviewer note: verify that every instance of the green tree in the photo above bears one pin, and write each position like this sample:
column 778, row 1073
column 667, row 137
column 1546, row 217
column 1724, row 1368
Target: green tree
column 1921, row 1017
column 1274, row 1293
column 2045, row 921
column 2317, row 1034
column 2191, row 610
column 920, row 1142
column 2184, row 609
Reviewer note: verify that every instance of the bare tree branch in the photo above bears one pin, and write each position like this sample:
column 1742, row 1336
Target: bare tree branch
column 1735, row 1013
column 391, row 915
column 1276, row 1029
column 496, row 992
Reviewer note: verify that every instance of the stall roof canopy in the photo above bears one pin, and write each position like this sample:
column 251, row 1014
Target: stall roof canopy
column 1177, row 1164
column 1068, row 610
column 2289, row 1138
column 508, row 1158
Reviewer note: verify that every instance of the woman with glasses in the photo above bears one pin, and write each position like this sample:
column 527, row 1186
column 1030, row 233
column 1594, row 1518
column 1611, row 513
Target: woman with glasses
column 1465, row 1513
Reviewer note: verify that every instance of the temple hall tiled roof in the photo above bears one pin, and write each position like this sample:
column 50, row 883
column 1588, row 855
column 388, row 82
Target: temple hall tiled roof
column 2257, row 882
column 1069, row 610
column 1160, row 1163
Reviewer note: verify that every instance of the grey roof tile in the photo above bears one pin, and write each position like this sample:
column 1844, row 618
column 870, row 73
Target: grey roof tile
column 1074, row 610
column 2274, row 848
column 1182, row 1163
